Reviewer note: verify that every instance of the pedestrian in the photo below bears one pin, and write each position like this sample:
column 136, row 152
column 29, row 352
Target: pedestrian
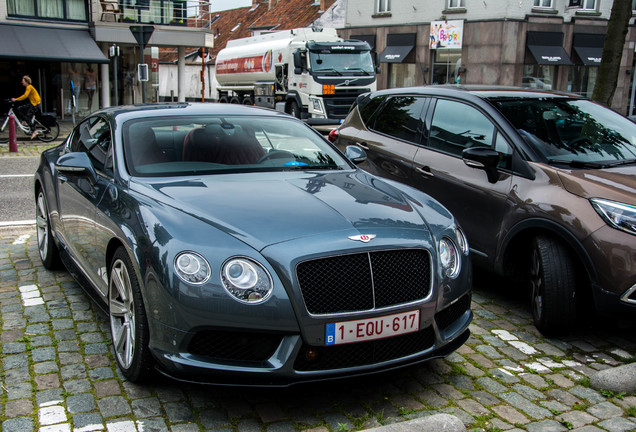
column 33, row 106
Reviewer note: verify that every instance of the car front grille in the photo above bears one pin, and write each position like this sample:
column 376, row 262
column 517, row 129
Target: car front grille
column 332, row 357
column 364, row 281
column 227, row 345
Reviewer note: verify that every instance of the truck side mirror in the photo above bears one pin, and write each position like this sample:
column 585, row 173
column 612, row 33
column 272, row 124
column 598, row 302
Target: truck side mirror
column 298, row 62
column 377, row 62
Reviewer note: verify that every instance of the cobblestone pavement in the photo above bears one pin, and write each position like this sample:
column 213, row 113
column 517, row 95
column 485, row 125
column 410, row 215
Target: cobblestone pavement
column 58, row 373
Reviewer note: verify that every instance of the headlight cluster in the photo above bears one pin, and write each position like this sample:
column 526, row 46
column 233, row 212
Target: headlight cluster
column 461, row 240
column 192, row 267
column 449, row 258
column 245, row 280
column 618, row 215
column 316, row 104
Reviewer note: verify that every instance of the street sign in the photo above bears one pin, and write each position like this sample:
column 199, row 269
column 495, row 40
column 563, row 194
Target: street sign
column 142, row 34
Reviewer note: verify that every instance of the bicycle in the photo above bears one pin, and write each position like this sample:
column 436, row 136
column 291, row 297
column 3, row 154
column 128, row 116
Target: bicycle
column 46, row 125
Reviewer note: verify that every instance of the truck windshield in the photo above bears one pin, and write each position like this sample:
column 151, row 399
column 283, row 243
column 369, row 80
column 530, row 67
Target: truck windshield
column 341, row 63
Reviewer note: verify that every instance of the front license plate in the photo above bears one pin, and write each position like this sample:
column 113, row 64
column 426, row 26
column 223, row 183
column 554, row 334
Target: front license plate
column 372, row 328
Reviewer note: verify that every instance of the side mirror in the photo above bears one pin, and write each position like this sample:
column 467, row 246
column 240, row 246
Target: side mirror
column 299, row 63
column 355, row 154
column 377, row 62
column 483, row 158
column 76, row 164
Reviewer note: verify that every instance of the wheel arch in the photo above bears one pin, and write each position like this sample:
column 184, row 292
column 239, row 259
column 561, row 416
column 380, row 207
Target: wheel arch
column 518, row 239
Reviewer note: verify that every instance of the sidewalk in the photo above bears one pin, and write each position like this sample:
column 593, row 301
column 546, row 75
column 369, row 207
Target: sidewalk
column 28, row 147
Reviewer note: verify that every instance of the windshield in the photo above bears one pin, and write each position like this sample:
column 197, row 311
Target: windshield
column 178, row 145
column 572, row 130
column 341, row 63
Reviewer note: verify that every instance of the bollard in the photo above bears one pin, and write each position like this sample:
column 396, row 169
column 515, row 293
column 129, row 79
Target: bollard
column 13, row 140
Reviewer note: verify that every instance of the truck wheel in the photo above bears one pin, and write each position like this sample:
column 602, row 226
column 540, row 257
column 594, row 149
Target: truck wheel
column 235, row 100
column 292, row 109
column 553, row 286
column 248, row 101
column 223, row 99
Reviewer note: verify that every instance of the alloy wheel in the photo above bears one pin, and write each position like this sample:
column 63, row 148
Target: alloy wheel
column 122, row 313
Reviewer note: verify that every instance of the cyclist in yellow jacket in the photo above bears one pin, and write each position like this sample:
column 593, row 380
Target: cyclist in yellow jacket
column 33, row 109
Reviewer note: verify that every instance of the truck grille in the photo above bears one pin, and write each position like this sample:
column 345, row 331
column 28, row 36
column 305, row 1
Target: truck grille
column 364, row 281
column 338, row 105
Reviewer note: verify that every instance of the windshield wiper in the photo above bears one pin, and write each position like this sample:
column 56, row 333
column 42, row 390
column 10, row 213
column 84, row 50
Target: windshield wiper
column 594, row 164
column 359, row 70
column 328, row 69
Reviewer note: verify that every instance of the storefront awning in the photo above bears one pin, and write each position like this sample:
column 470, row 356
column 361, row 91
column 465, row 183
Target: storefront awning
column 398, row 46
column 547, row 48
column 589, row 48
column 49, row 44
column 370, row 39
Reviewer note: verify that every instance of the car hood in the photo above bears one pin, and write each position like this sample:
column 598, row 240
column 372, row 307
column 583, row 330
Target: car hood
column 263, row 209
column 617, row 184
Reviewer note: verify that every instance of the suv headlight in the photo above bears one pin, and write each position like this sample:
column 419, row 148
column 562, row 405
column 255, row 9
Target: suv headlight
column 618, row 215
column 246, row 280
column 449, row 258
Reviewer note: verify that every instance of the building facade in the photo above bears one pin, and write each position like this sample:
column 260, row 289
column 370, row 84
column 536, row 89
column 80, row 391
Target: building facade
column 96, row 45
column 551, row 44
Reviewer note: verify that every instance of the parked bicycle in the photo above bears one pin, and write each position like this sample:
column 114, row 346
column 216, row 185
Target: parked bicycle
column 47, row 126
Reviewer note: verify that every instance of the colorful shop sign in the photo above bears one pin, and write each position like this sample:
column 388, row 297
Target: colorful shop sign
column 447, row 34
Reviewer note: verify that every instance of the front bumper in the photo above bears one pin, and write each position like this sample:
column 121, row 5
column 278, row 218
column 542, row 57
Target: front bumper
column 269, row 359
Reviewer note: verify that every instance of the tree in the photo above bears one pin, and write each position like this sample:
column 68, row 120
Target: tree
column 612, row 52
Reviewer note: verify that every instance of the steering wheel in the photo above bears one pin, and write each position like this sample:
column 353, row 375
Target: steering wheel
column 275, row 154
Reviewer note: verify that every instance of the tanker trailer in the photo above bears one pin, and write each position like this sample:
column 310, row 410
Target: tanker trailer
column 309, row 73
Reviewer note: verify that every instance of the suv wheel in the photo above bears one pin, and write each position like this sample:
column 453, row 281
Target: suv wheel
column 552, row 284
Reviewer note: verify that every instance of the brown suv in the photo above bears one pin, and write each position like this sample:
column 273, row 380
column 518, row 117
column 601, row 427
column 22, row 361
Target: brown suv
column 543, row 183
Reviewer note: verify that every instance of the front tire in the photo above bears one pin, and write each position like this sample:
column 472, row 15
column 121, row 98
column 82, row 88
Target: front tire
column 128, row 322
column 49, row 134
column 553, row 286
column 49, row 253
column 293, row 109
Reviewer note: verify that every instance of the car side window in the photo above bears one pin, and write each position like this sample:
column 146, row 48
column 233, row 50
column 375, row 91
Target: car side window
column 93, row 138
column 401, row 118
column 457, row 126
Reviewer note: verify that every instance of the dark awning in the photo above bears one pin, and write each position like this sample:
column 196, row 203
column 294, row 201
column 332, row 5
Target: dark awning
column 589, row 48
column 42, row 43
column 547, row 48
column 370, row 39
column 398, row 46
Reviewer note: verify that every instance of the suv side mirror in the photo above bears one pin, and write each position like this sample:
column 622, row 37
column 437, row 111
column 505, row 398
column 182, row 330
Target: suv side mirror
column 483, row 158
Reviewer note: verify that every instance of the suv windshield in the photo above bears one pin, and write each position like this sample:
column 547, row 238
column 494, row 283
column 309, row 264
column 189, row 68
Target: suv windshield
column 572, row 131
column 179, row 145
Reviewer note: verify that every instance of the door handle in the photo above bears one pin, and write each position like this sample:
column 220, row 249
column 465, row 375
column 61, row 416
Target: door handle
column 362, row 145
column 425, row 170
column 62, row 178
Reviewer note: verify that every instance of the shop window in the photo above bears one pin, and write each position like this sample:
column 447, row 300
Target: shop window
column 539, row 76
column 69, row 10
column 582, row 79
column 401, row 75
column 446, row 66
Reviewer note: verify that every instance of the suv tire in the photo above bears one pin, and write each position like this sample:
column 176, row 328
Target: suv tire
column 553, row 286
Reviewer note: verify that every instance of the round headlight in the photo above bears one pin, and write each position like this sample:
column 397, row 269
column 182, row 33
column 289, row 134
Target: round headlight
column 192, row 267
column 462, row 241
column 449, row 258
column 246, row 280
